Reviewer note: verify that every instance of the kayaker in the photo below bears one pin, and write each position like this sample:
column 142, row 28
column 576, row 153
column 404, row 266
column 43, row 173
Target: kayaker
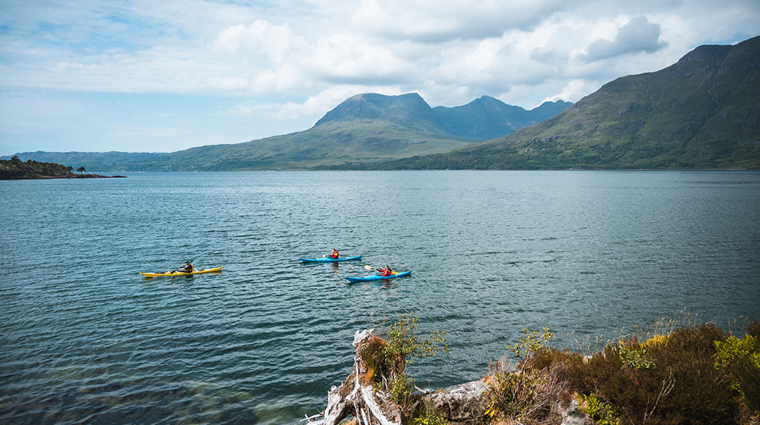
column 334, row 255
column 385, row 272
column 187, row 268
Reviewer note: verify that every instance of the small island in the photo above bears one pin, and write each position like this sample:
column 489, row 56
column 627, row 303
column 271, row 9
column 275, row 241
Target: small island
column 15, row 169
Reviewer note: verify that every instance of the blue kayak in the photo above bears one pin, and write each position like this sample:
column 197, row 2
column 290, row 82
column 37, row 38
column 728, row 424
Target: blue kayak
column 377, row 277
column 330, row 260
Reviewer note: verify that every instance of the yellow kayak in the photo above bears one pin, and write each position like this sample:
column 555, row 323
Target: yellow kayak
column 218, row 269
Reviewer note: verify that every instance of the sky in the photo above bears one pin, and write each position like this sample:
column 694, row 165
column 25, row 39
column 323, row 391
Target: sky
column 148, row 76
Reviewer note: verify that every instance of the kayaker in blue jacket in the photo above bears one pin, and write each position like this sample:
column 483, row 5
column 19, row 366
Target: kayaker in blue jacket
column 187, row 268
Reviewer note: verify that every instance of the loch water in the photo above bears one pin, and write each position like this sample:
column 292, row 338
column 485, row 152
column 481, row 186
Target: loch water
column 84, row 338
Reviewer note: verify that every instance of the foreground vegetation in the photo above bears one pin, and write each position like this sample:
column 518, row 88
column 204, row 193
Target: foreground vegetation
column 680, row 373
column 387, row 357
column 693, row 374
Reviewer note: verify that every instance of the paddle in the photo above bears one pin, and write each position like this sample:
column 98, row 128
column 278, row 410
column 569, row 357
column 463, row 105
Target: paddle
column 366, row 266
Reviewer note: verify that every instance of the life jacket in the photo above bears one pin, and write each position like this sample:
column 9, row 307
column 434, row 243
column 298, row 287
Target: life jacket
column 385, row 272
column 334, row 255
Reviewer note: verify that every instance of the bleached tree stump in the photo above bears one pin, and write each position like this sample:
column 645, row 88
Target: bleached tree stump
column 358, row 397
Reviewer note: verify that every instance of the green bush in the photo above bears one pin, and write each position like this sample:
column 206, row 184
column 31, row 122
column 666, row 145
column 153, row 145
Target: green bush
column 530, row 392
column 635, row 358
column 404, row 343
column 740, row 359
column 401, row 387
column 531, row 343
column 601, row 412
column 428, row 415
column 388, row 358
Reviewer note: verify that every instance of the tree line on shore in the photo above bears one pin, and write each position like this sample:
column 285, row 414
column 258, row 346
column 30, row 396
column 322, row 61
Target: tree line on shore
column 15, row 169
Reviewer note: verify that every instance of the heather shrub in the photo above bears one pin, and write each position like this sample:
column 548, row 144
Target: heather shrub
column 699, row 391
column 754, row 329
column 691, row 374
column 673, row 381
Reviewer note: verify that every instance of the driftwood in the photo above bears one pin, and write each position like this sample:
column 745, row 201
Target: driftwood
column 357, row 397
column 459, row 404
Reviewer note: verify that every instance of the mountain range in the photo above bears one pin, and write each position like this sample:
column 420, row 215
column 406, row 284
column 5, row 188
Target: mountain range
column 366, row 128
column 702, row 112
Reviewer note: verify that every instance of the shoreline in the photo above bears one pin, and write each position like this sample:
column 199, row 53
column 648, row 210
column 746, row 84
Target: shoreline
column 68, row 176
column 679, row 373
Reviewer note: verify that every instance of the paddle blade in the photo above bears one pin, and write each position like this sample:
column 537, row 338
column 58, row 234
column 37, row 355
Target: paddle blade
column 368, row 267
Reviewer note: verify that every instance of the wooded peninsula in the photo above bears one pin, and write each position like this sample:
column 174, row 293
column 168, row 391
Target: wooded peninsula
column 15, row 169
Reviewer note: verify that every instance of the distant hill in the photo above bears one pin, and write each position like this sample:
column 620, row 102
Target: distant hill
column 366, row 128
column 702, row 112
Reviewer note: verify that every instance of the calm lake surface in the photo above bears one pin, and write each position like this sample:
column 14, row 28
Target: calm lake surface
column 85, row 338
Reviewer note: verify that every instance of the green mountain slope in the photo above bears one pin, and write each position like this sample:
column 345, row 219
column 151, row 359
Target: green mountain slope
column 366, row 128
column 702, row 112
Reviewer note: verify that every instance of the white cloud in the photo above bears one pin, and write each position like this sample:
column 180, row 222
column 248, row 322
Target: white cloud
column 433, row 21
column 575, row 89
column 229, row 83
column 261, row 40
column 346, row 58
column 637, row 36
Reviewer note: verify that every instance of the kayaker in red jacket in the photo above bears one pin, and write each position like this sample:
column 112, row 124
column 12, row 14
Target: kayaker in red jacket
column 385, row 272
column 334, row 255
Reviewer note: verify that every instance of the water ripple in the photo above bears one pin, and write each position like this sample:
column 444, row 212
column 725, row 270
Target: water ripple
column 85, row 338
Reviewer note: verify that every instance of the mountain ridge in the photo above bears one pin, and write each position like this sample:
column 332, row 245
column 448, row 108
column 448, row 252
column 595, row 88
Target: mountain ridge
column 485, row 118
column 701, row 112
column 367, row 128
